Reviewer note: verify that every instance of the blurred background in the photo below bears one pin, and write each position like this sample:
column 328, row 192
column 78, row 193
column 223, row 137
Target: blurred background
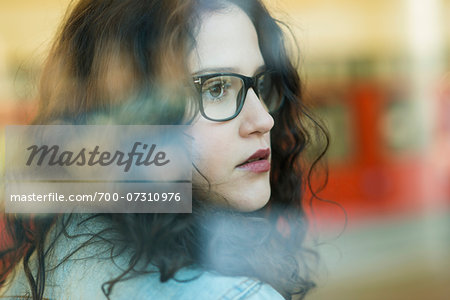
column 378, row 74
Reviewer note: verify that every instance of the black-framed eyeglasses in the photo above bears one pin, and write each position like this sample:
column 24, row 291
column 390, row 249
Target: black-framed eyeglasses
column 222, row 95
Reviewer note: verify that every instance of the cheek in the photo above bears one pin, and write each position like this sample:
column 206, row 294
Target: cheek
column 212, row 150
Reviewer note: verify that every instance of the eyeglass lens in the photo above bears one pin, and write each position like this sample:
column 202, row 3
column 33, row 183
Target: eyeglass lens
column 222, row 96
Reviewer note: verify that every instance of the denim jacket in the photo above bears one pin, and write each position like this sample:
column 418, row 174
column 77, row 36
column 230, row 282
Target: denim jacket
column 88, row 286
column 81, row 277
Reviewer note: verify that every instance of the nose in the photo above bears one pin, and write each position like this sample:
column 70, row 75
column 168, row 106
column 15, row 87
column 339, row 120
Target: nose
column 254, row 116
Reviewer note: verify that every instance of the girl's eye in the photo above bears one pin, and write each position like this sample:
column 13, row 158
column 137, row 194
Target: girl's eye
column 266, row 91
column 263, row 86
column 215, row 90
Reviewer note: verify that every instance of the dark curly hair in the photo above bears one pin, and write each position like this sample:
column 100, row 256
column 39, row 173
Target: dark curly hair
column 146, row 43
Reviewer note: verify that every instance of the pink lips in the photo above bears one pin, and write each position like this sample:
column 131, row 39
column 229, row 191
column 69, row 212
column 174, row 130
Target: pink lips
column 258, row 162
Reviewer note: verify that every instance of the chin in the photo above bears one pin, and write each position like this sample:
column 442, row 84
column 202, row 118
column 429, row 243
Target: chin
column 252, row 201
column 244, row 197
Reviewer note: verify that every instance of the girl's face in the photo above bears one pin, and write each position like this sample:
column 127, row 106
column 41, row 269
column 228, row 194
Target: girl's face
column 227, row 42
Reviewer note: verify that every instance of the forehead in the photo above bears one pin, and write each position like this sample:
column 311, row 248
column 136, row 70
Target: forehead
column 226, row 39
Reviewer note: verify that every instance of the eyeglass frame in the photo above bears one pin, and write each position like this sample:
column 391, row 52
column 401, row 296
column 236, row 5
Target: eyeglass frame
column 249, row 82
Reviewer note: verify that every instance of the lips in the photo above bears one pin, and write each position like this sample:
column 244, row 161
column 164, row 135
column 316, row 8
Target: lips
column 258, row 162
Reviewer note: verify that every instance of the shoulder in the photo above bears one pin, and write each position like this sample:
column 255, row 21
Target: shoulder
column 83, row 274
column 83, row 280
column 195, row 284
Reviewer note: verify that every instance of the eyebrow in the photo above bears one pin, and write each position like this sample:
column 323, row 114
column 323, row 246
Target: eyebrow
column 225, row 70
